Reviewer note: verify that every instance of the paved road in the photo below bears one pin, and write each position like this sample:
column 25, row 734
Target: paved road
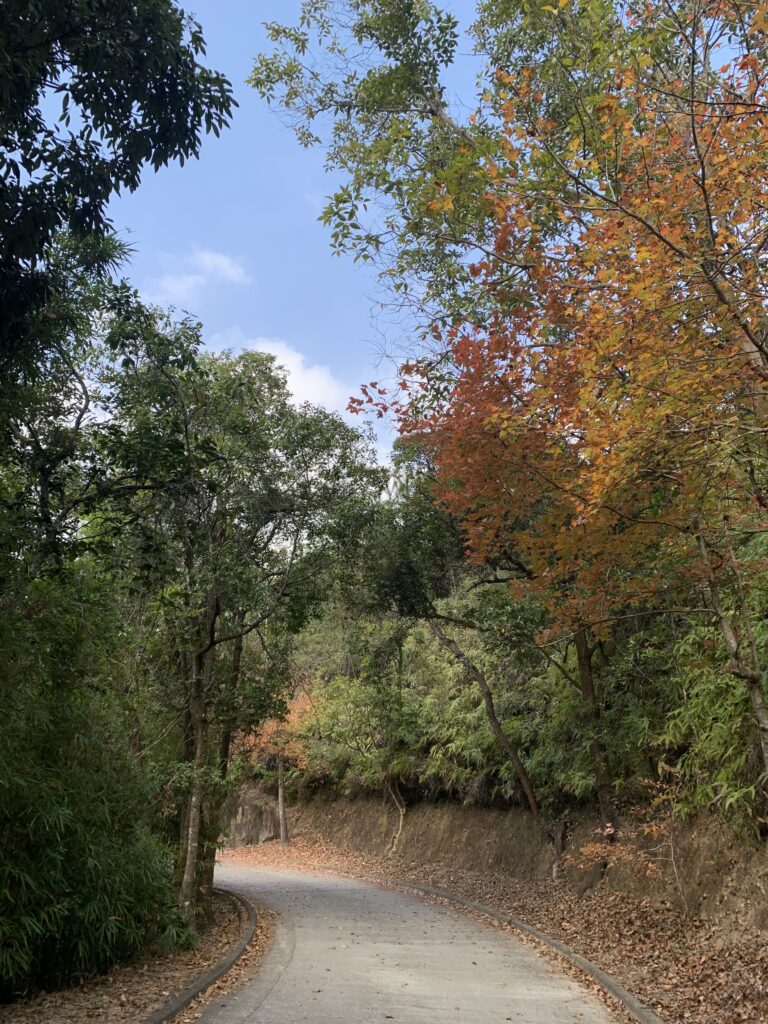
column 351, row 953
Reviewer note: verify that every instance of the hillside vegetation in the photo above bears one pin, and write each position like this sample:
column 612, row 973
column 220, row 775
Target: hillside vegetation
column 556, row 598
column 563, row 600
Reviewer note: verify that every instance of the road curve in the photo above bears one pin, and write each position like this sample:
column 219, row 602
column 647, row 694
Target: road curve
column 350, row 953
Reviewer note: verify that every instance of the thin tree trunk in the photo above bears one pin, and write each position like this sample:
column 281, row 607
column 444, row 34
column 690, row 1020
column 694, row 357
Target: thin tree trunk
column 208, row 845
column 188, row 757
column 757, row 697
column 608, row 816
column 748, row 668
column 505, row 742
column 233, row 682
column 210, row 828
column 203, row 668
column 212, row 806
column 181, row 863
column 397, row 800
column 281, row 816
column 194, row 818
column 225, row 744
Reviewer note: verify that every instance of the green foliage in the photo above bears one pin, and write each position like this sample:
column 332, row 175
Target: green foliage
column 85, row 880
column 463, row 207
column 365, row 80
column 387, row 706
column 167, row 515
column 362, row 725
column 180, row 545
column 390, row 707
column 130, row 91
column 708, row 730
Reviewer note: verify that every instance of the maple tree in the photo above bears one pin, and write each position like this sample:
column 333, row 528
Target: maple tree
column 607, row 426
column 583, row 250
column 280, row 740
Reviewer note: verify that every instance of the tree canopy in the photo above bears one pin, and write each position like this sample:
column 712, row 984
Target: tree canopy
column 580, row 246
column 556, row 595
column 91, row 93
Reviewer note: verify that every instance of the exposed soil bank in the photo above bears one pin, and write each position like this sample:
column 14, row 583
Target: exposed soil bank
column 689, row 968
column 700, row 869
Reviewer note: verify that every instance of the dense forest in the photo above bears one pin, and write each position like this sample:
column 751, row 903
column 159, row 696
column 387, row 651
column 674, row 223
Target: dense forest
column 556, row 595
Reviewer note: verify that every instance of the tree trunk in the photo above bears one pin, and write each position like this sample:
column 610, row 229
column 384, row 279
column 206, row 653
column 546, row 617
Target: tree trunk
column 203, row 668
column 505, row 742
column 743, row 667
column 233, row 682
column 211, row 816
column 207, row 847
column 188, row 757
column 281, row 816
column 194, row 819
column 397, row 800
column 757, row 697
column 211, row 826
column 603, row 784
column 181, row 863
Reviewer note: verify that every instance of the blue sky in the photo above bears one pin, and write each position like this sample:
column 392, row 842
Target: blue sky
column 234, row 239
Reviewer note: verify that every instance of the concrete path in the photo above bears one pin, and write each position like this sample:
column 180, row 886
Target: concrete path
column 351, row 953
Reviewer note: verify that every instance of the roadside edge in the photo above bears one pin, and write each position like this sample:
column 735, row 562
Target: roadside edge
column 203, row 981
column 641, row 1013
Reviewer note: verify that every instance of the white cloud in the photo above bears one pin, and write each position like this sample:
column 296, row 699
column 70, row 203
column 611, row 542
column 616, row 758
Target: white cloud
column 203, row 268
column 307, row 382
column 219, row 266
column 175, row 289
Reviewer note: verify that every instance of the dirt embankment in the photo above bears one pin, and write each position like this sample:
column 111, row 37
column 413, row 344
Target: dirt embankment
column 700, row 869
column 685, row 940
